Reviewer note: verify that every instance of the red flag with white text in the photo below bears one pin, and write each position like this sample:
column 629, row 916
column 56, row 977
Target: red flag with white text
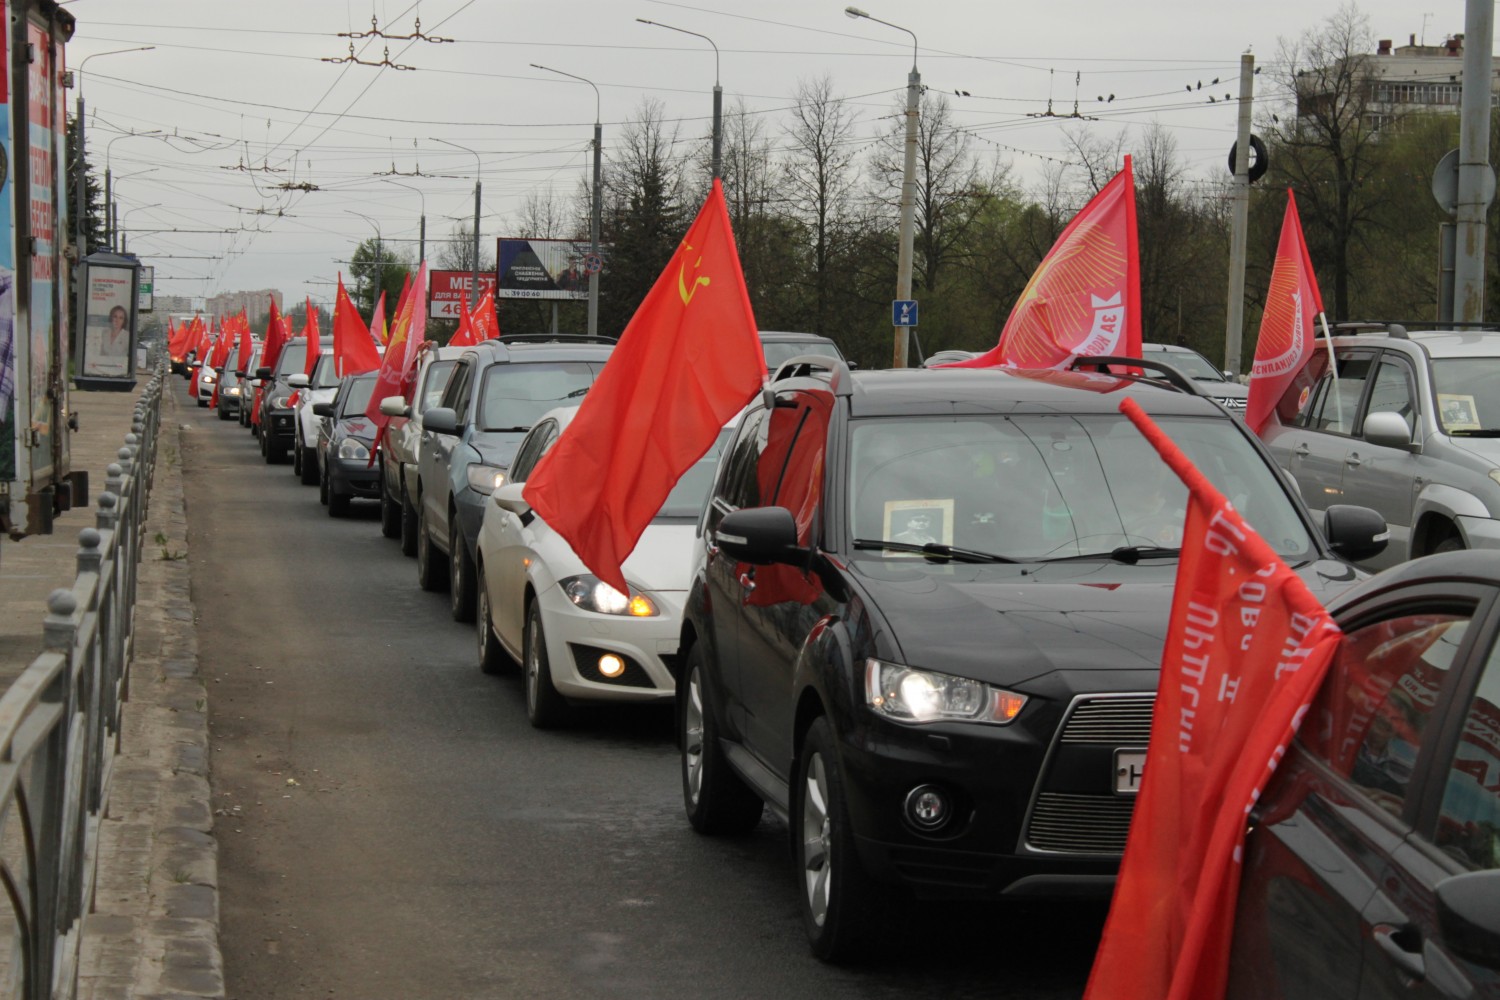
column 1287, row 334
column 354, row 352
column 1246, row 648
column 689, row 359
column 464, row 335
column 1085, row 296
column 483, row 319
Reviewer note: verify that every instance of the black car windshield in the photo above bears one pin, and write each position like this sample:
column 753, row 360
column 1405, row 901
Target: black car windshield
column 358, row 397
column 293, row 359
column 778, row 352
column 1051, row 486
column 1467, row 394
column 686, row 498
column 1190, row 363
column 517, row 394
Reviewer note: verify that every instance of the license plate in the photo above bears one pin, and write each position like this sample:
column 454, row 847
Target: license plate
column 1130, row 766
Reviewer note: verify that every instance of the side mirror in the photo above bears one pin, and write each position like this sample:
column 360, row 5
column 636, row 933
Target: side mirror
column 1388, row 430
column 322, row 409
column 395, row 406
column 1355, row 533
column 262, row 373
column 508, row 497
column 1469, row 918
column 298, row 381
column 758, row 535
column 440, row 420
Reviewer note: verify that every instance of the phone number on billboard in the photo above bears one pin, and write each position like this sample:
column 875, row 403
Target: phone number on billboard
column 536, row 293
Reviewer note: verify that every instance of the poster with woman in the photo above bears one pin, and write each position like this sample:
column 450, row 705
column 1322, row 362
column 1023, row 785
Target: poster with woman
column 107, row 333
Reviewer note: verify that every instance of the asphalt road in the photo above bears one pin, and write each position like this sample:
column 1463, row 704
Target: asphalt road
column 391, row 827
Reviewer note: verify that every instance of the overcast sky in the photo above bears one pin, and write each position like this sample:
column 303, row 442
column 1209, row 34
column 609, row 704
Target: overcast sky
column 234, row 85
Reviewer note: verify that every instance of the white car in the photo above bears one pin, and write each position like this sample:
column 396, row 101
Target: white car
column 319, row 387
column 578, row 638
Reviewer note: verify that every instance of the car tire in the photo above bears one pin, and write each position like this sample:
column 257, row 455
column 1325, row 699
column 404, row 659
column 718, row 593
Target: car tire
column 323, row 490
column 275, row 452
column 717, row 800
column 461, row 574
column 408, row 525
column 308, row 470
column 203, row 403
column 338, row 503
column 842, row 907
column 390, row 515
column 432, row 571
column 1453, row 543
column 545, row 708
column 223, row 414
column 492, row 656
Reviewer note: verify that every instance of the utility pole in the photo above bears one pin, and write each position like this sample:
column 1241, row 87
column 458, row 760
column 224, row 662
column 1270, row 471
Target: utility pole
column 1476, row 180
column 718, row 141
column 598, row 194
column 478, row 168
column 1234, row 326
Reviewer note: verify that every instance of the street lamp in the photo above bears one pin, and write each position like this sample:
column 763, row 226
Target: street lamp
column 109, row 225
column 908, row 181
column 598, row 199
column 421, row 233
column 78, row 227
column 139, row 208
column 379, row 271
column 478, row 169
column 718, row 94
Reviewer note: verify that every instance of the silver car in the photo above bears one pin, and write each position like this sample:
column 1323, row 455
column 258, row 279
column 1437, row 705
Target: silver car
column 1213, row 382
column 1409, row 427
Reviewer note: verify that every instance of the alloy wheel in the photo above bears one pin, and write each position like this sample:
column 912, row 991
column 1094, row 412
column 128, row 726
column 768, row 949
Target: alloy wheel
column 817, row 870
column 692, row 736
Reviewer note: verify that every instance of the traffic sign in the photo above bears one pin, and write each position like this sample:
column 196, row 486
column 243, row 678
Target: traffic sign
column 904, row 312
column 593, row 264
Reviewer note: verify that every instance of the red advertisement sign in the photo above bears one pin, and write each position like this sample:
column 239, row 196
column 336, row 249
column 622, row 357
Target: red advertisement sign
column 450, row 292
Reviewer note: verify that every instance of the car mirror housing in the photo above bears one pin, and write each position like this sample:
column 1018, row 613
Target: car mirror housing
column 298, row 381
column 262, row 373
column 440, row 420
column 1388, row 430
column 322, row 409
column 508, row 497
column 1468, row 911
column 395, row 406
column 1355, row 533
column 759, row 536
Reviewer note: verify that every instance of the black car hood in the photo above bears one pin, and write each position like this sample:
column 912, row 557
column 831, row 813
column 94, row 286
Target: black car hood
column 1010, row 624
column 497, row 448
column 359, row 427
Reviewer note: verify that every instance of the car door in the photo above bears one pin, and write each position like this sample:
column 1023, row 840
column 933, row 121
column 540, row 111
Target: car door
column 437, row 454
column 1380, row 476
column 514, row 543
column 1318, row 445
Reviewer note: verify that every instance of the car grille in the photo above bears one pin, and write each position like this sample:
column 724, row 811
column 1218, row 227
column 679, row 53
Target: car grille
column 1093, row 822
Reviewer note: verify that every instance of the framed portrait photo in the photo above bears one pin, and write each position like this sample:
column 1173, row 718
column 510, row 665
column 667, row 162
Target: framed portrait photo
column 1458, row 412
column 919, row 522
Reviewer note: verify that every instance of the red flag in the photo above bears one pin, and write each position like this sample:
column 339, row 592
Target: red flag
column 408, row 330
column 464, row 335
column 483, row 319
column 1085, row 297
column 276, row 338
column 378, row 332
column 314, row 341
column 353, row 351
column 1247, row 647
column 688, row 361
column 247, row 346
column 1287, row 337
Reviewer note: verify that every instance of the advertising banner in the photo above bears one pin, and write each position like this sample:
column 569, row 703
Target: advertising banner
column 8, row 344
column 106, row 326
column 145, row 291
column 450, row 292
column 543, row 269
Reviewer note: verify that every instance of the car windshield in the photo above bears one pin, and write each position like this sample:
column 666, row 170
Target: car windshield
column 1052, row 486
column 438, row 374
column 686, row 498
column 779, row 352
column 517, row 394
column 323, row 376
column 293, row 359
column 358, row 397
column 1190, row 363
column 1467, row 393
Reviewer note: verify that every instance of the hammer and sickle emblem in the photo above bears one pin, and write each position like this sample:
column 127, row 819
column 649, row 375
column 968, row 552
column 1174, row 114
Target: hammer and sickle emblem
column 683, row 289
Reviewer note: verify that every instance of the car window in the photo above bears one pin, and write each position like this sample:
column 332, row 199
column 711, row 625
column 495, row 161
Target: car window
column 1392, row 392
column 323, row 375
column 1467, row 393
column 516, row 395
column 691, row 488
column 1469, row 820
column 293, row 359
column 777, row 353
column 356, row 397
column 800, row 489
column 1053, row 485
column 455, row 393
column 438, row 374
column 1190, row 363
column 1336, row 401
column 739, row 486
column 1369, row 719
column 532, row 449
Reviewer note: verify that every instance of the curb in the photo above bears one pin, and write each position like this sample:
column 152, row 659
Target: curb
column 153, row 932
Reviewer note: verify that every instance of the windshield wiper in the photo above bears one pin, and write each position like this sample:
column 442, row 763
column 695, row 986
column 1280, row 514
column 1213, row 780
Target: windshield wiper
column 934, row 550
column 1487, row 432
column 503, row 430
column 1131, row 554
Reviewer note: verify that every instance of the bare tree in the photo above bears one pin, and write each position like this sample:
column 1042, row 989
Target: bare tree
column 545, row 216
column 820, row 177
column 456, row 253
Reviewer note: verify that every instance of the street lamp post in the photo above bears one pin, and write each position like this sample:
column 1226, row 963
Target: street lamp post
column 82, row 185
column 422, row 232
column 598, row 198
column 908, row 182
column 109, row 204
column 718, row 96
column 124, row 245
column 379, row 257
column 478, row 169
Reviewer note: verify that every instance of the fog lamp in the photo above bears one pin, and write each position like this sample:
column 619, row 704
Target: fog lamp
column 928, row 808
column 611, row 665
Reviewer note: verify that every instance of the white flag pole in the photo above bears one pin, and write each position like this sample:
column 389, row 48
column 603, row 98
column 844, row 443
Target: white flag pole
column 1333, row 368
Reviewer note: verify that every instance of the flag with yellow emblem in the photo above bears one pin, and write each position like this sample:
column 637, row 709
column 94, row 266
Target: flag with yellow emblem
column 688, row 360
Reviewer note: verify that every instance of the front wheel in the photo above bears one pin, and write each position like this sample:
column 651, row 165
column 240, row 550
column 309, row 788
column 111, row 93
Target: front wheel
column 545, row 708
column 461, row 574
column 409, row 525
column 308, row 469
column 1453, row 543
column 492, row 657
column 716, row 799
column 841, row 905
column 390, row 514
column 432, row 573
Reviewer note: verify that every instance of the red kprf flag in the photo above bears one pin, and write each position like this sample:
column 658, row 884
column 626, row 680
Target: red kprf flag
column 1085, row 296
column 1246, row 648
column 353, row 351
column 408, row 330
column 1286, row 338
column 314, row 340
column 688, row 361
column 464, row 335
column 483, row 319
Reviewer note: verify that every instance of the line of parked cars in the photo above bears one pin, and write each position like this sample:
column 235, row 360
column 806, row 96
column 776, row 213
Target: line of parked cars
column 918, row 616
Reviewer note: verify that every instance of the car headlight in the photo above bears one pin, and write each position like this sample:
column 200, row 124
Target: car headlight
column 593, row 594
column 485, row 479
column 209, row 377
column 352, row 448
column 1495, row 475
column 280, row 402
column 233, row 390
column 907, row 695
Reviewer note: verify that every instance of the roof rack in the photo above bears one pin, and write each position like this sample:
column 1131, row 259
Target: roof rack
column 804, row 365
column 555, row 338
column 1396, row 331
column 1171, row 378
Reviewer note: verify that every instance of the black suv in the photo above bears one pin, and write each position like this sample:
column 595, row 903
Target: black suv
column 277, row 418
column 926, row 620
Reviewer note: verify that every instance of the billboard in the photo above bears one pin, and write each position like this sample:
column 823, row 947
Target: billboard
column 449, row 293
column 543, row 269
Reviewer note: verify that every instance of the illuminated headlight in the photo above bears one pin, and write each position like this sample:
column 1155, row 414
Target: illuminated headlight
column 232, row 391
column 280, row 402
column 209, row 377
column 593, row 594
column 351, row 448
column 485, row 479
column 908, row 695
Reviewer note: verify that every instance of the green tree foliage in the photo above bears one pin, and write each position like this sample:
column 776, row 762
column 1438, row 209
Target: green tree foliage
column 375, row 267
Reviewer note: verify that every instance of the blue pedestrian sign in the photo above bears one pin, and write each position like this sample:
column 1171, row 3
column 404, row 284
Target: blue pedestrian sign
column 904, row 312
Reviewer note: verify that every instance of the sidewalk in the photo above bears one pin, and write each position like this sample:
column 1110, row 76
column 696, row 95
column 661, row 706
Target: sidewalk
column 153, row 933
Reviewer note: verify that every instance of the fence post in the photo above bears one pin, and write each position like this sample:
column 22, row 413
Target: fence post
column 59, row 627
column 89, row 556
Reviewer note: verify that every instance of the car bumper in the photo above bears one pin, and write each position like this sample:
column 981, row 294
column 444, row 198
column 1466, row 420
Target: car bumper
column 228, row 403
column 355, row 477
column 576, row 639
column 280, row 425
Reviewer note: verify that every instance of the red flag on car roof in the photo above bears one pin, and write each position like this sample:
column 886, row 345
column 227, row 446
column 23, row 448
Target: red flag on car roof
column 314, row 340
column 408, row 330
column 354, row 352
column 276, row 338
column 464, row 335
column 1287, row 337
column 688, row 361
column 378, row 331
column 1246, row 648
column 1085, row 296
column 483, row 319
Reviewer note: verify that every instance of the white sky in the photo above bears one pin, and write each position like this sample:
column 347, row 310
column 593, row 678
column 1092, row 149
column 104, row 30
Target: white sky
column 337, row 126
